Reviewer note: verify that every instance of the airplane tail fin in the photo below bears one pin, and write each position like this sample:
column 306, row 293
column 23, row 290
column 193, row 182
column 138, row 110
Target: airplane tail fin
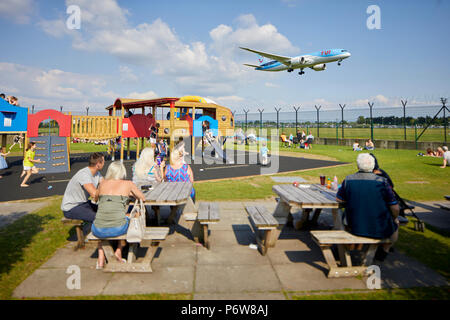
column 262, row 60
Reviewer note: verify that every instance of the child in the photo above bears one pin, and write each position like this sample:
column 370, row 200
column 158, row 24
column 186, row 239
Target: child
column 356, row 146
column 264, row 151
column 3, row 164
column 17, row 140
column 28, row 164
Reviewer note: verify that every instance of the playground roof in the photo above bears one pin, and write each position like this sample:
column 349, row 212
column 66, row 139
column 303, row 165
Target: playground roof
column 140, row 103
column 160, row 102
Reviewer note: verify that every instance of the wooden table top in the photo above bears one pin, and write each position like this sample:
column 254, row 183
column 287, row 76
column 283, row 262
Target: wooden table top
column 307, row 195
column 169, row 193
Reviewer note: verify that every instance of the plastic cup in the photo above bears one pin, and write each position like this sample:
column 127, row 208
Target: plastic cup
column 322, row 180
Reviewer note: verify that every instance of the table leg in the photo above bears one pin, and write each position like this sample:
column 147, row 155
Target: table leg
column 344, row 256
column 315, row 217
column 173, row 214
column 282, row 210
column 157, row 214
column 190, row 210
column 337, row 219
column 305, row 216
column 205, row 236
column 370, row 255
column 132, row 253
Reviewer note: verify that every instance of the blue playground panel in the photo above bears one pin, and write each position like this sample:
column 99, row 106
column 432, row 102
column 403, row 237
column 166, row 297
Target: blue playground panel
column 52, row 150
column 213, row 125
column 12, row 118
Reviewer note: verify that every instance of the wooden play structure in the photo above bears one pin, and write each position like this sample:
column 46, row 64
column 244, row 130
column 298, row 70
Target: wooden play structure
column 180, row 117
column 13, row 120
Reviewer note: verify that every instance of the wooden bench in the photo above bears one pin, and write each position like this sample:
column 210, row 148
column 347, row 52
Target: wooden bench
column 325, row 239
column 208, row 213
column 266, row 222
column 78, row 224
column 152, row 237
column 444, row 206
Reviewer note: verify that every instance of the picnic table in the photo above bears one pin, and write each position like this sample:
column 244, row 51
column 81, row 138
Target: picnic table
column 307, row 197
column 173, row 194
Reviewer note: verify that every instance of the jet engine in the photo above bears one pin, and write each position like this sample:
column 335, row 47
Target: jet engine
column 299, row 61
column 319, row 67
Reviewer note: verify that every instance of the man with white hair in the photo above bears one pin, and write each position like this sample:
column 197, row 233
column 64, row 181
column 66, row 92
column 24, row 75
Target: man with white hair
column 371, row 208
column 446, row 156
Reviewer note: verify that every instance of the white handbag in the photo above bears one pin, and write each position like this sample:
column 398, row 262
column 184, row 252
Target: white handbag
column 136, row 226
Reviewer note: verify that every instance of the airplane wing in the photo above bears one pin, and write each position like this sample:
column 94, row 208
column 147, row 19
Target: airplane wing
column 282, row 59
column 250, row 65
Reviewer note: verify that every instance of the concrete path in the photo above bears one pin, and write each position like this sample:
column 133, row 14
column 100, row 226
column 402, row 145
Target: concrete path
column 432, row 214
column 11, row 211
column 230, row 270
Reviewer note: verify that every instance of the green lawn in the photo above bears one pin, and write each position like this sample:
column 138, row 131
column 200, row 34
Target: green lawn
column 431, row 134
column 30, row 241
column 415, row 178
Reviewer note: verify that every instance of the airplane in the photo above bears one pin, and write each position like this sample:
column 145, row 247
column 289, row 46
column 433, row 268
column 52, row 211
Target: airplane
column 316, row 61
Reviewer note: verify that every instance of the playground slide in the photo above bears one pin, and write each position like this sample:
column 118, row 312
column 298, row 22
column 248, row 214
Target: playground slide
column 218, row 149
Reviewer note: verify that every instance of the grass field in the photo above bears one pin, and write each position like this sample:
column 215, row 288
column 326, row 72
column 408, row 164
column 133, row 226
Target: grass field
column 431, row 134
column 30, row 241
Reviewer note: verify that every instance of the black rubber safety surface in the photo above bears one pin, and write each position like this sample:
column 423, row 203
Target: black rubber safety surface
column 210, row 168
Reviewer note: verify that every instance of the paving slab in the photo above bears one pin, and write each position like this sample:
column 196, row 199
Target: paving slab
column 179, row 279
column 432, row 214
column 231, row 256
column 52, row 282
column 231, row 237
column 12, row 211
column 238, row 278
column 64, row 257
column 240, row 296
column 312, row 276
column 401, row 271
column 174, row 256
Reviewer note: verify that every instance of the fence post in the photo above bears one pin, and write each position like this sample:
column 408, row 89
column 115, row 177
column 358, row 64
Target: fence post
column 415, row 133
column 87, row 111
column 337, row 133
column 318, row 120
column 296, row 119
column 371, row 120
column 61, row 108
column 260, row 120
column 444, row 101
column 246, row 128
column 278, row 111
column 404, row 117
column 342, row 117
column 32, row 110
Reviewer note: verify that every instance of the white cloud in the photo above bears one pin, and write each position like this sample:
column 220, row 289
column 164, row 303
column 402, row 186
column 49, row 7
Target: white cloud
column 18, row 11
column 54, row 87
column 271, row 85
column 143, row 95
column 127, row 75
column 211, row 68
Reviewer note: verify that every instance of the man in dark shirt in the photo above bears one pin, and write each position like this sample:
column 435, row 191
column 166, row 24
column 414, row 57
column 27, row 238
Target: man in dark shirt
column 371, row 208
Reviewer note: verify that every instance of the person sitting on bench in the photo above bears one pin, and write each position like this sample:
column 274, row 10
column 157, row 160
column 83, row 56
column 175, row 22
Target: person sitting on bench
column 75, row 204
column 113, row 197
column 371, row 208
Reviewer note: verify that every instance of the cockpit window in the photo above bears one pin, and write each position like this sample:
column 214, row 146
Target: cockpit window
column 343, row 50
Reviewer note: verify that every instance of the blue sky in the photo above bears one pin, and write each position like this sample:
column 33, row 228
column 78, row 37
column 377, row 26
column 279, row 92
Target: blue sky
column 173, row 48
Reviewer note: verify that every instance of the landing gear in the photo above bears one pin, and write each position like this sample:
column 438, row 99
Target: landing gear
column 301, row 72
column 290, row 70
column 339, row 62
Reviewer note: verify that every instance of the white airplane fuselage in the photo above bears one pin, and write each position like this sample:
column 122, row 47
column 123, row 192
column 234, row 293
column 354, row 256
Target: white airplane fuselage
column 316, row 61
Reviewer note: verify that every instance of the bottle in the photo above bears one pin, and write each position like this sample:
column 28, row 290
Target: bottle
column 335, row 183
column 329, row 183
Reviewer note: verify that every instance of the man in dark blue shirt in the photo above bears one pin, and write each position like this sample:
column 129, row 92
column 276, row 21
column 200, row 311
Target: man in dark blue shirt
column 371, row 208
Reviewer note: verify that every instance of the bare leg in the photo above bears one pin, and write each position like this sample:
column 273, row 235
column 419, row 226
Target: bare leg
column 101, row 256
column 118, row 252
column 26, row 179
